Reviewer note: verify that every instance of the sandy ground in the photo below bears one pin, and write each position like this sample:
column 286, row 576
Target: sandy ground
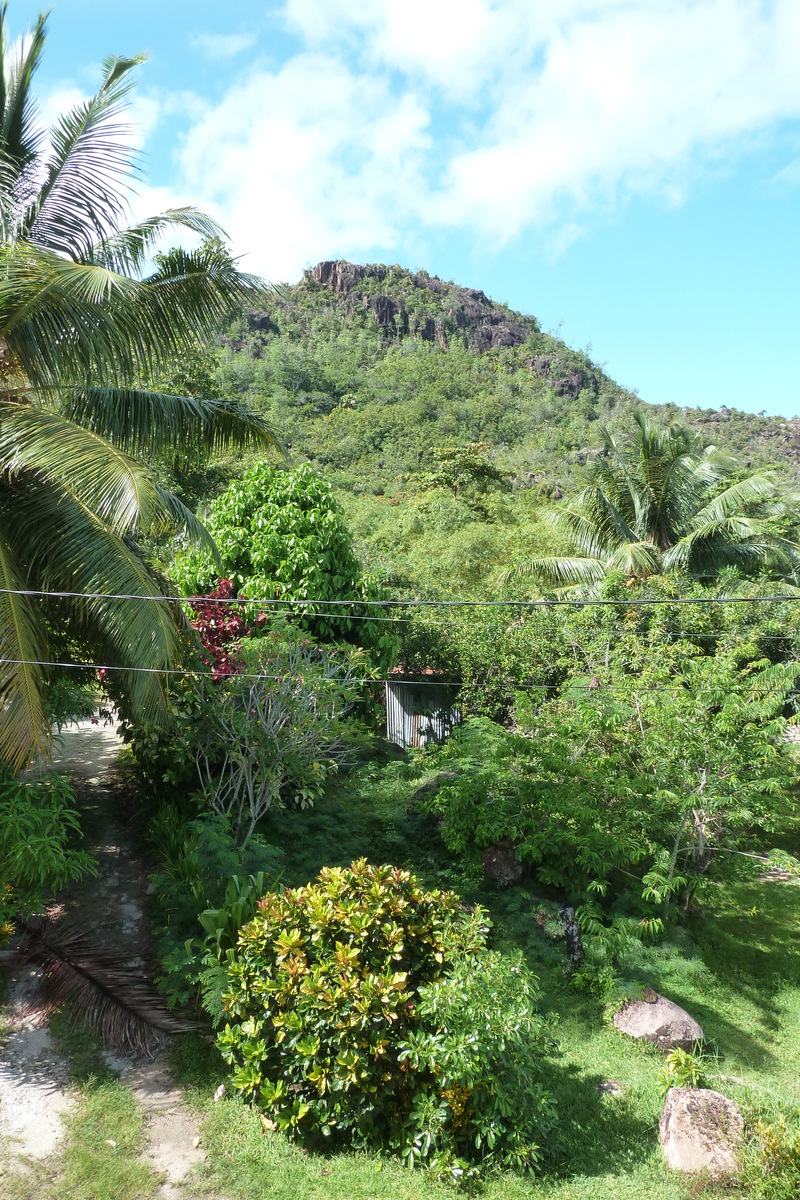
column 34, row 1088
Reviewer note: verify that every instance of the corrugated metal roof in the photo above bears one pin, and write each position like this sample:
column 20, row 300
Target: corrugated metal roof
column 419, row 716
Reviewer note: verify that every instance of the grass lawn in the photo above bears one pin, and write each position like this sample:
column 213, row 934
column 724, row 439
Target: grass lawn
column 735, row 967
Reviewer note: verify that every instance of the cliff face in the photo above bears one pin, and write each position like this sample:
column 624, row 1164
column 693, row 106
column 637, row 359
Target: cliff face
column 424, row 306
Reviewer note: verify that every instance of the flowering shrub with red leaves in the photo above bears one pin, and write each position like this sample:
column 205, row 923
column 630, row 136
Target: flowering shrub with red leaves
column 221, row 625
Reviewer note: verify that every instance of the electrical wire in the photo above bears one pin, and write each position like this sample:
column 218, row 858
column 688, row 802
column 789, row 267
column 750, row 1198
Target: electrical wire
column 669, row 636
column 193, row 672
column 525, row 604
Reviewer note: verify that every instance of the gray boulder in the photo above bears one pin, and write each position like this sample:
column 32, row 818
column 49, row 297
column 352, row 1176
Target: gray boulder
column 501, row 864
column 701, row 1131
column 658, row 1020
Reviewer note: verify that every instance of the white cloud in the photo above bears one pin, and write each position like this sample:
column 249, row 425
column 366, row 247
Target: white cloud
column 308, row 161
column 494, row 117
column 451, row 43
column 788, row 176
column 59, row 100
column 218, row 46
column 626, row 102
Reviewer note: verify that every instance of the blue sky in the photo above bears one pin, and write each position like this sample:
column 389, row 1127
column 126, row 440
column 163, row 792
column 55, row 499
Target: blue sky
column 626, row 170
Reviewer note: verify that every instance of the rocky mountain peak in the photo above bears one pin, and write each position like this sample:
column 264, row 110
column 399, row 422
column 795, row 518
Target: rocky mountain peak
column 423, row 305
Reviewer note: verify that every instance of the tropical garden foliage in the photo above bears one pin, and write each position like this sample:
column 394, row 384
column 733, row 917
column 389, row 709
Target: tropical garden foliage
column 685, row 759
column 86, row 320
column 624, row 744
column 39, row 825
column 351, row 1015
column 280, row 537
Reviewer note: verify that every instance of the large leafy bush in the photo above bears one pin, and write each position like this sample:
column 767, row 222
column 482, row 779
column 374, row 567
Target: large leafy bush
column 332, row 1028
column 244, row 742
column 629, row 785
column 480, row 1036
column 201, row 869
column 281, row 536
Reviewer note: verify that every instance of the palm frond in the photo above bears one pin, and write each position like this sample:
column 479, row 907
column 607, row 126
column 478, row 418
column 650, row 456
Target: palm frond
column 603, row 514
column 576, row 527
column 116, row 1001
column 122, row 492
column 153, row 423
column 715, row 463
column 562, row 572
column 753, row 588
column 20, row 133
column 127, row 251
column 84, row 193
column 613, row 475
column 67, row 320
column 735, row 541
column 189, row 297
column 228, row 423
column 183, row 520
column 71, row 549
column 24, row 725
column 636, row 559
column 79, row 321
column 754, row 488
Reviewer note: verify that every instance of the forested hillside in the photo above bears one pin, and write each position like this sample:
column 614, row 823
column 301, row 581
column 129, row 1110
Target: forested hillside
column 369, row 372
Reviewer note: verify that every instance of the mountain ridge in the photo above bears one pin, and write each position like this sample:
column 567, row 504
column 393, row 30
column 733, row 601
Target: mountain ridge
column 380, row 377
column 555, row 389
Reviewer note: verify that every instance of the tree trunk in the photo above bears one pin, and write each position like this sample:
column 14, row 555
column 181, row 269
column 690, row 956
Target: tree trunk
column 572, row 933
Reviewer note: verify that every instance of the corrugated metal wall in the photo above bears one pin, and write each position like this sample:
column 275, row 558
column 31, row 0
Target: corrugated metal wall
column 420, row 715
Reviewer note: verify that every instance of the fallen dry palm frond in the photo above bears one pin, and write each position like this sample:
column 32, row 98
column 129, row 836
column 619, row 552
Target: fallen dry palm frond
column 106, row 994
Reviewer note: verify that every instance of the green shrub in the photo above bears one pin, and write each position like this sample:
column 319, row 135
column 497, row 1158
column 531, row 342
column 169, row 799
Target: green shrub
column 770, row 1167
column 684, row 1069
column 221, row 927
column 281, row 534
column 481, row 1038
column 38, row 821
column 198, row 860
column 324, row 989
column 249, row 742
column 276, row 733
column 687, row 762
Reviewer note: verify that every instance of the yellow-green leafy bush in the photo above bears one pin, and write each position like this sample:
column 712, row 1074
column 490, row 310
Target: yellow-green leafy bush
column 324, row 987
column 333, row 1030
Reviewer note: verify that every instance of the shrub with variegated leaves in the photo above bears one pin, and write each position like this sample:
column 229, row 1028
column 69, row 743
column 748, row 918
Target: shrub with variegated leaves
column 324, row 989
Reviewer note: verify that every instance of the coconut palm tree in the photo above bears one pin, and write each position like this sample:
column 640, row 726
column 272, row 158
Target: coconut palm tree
column 87, row 312
column 661, row 501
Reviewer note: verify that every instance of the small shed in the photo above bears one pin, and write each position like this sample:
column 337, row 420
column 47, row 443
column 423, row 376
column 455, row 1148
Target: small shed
column 420, row 712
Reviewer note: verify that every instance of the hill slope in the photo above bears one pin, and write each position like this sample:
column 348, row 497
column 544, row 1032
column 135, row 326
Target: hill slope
column 367, row 370
column 369, row 366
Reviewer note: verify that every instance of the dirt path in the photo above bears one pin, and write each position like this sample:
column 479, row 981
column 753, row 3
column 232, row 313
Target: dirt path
column 34, row 1077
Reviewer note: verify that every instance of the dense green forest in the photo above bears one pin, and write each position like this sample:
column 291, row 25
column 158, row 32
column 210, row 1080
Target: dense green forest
column 623, row 752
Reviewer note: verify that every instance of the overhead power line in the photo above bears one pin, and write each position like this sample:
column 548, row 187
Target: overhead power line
column 194, row 672
column 194, row 601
